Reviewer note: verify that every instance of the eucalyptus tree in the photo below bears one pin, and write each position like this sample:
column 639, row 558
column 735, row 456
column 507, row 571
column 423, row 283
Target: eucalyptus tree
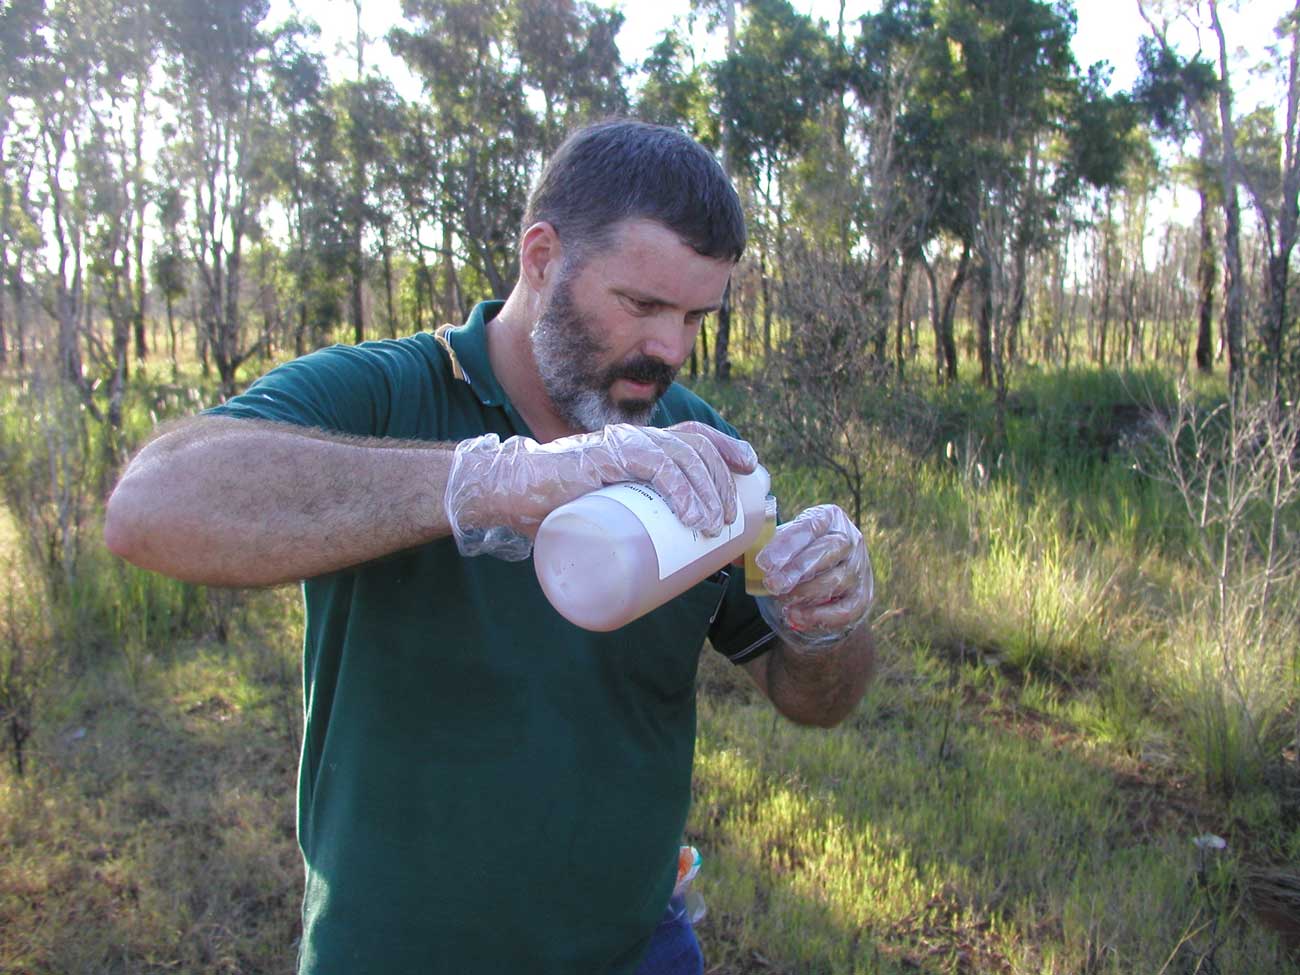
column 217, row 62
column 1167, row 89
column 772, row 89
column 480, row 61
column 84, row 73
column 366, row 112
column 61, row 72
column 308, row 165
column 675, row 90
column 1269, row 158
column 1003, row 68
column 167, row 271
column 999, row 130
column 19, row 21
column 1207, row 260
column 21, row 243
column 419, row 207
column 484, row 130
column 110, row 168
column 1210, row 102
column 893, row 212
column 567, row 53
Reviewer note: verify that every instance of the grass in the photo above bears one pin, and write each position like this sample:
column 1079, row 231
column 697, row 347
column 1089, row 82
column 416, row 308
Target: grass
column 156, row 832
column 1019, row 792
column 945, row 829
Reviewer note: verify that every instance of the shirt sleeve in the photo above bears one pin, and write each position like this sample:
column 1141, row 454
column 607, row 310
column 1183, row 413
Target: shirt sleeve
column 343, row 389
column 738, row 632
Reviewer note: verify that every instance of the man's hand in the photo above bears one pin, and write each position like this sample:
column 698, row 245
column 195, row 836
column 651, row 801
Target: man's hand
column 819, row 574
column 499, row 493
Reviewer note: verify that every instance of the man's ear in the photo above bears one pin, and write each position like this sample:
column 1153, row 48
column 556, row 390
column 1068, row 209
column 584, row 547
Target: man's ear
column 540, row 255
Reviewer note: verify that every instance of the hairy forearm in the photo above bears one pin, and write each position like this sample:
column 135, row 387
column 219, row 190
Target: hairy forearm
column 821, row 686
column 234, row 502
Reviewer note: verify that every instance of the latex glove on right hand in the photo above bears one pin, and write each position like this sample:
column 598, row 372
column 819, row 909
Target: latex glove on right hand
column 498, row 492
column 819, row 574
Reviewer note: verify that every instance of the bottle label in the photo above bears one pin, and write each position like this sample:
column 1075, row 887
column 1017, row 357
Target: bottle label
column 676, row 546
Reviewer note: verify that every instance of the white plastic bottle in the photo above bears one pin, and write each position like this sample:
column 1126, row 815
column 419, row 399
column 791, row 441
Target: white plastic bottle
column 613, row 555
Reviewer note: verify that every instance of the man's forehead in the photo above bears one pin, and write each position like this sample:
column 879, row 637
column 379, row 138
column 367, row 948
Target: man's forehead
column 651, row 260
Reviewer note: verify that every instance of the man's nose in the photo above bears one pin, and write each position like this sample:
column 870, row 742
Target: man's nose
column 670, row 340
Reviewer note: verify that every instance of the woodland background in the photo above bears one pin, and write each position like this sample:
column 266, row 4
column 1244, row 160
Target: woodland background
column 1064, row 417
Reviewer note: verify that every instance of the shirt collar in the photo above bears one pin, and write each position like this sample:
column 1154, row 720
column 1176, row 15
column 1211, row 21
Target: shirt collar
column 470, row 342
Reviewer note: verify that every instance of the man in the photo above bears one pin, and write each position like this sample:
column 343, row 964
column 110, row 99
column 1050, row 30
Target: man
column 484, row 787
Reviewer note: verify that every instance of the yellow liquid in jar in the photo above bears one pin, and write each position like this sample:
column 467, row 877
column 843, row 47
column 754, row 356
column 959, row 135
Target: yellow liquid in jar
column 753, row 574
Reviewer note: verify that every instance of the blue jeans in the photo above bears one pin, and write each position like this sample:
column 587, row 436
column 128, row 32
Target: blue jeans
column 673, row 949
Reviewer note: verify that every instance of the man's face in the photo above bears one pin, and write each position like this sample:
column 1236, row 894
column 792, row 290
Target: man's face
column 616, row 328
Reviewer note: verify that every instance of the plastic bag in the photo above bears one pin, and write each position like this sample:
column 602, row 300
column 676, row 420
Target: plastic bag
column 688, row 865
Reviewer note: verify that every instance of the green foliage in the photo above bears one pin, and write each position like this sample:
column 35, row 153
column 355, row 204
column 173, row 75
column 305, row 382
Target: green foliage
column 1101, row 134
column 1170, row 87
column 58, row 463
column 772, row 85
column 480, row 64
column 675, row 92
column 55, row 462
column 1037, row 543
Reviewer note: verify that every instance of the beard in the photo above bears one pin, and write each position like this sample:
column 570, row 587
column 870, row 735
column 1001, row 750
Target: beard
column 567, row 352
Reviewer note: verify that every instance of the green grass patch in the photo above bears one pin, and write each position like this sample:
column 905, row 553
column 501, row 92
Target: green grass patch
column 1055, row 721
column 975, row 842
column 156, row 828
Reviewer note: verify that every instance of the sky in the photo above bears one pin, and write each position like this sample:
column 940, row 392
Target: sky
column 1107, row 29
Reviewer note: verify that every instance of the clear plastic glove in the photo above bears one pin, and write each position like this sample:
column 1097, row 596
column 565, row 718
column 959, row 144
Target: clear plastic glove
column 819, row 574
column 499, row 492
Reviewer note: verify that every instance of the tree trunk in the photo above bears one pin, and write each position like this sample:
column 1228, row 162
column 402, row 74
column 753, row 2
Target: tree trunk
column 950, row 310
column 171, row 335
column 984, row 334
column 4, row 275
column 1020, row 258
column 141, row 281
column 935, row 321
column 1206, row 268
column 1108, row 279
column 69, row 349
column 721, row 350
column 451, row 310
column 1275, row 286
column 121, row 345
column 1056, row 332
column 356, row 295
column 704, row 350
column 388, row 280
column 905, row 280
column 1233, row 278
column 1233, row 285
column 1020, row 265
column 6, row 193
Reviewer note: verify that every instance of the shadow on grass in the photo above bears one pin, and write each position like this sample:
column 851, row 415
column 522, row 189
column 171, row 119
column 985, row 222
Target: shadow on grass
column 156, row 831
column 904, row 842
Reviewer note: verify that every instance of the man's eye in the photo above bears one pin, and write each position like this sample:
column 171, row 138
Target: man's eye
column 640, row 305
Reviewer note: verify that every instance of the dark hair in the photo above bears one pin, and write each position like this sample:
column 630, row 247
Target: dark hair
column 622, row 169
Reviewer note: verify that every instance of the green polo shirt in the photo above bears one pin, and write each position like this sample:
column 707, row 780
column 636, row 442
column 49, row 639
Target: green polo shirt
column 484, row 787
